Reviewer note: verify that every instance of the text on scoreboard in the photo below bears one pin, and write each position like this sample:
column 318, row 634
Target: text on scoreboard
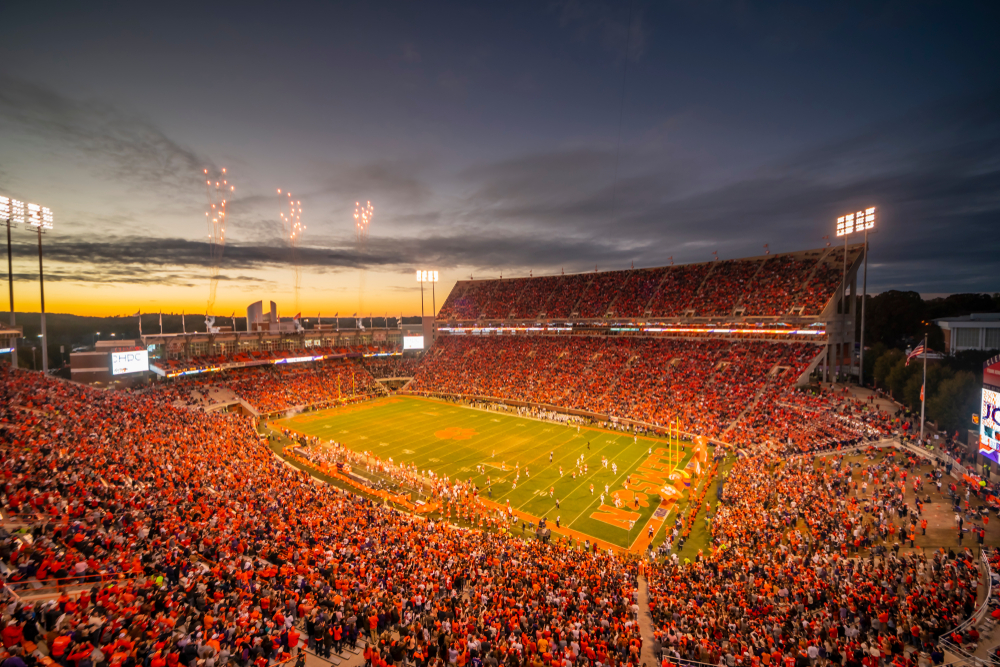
column 135, row 361
column 989, row 426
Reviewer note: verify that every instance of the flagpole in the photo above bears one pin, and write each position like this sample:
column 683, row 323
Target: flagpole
column 923, row 393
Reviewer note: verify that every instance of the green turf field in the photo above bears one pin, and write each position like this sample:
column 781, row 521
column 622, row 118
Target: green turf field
column 453, row 440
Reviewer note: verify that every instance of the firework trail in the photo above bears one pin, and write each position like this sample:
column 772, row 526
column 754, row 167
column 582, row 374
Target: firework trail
column 218, row 189
column 362, row 219
column 292, row 224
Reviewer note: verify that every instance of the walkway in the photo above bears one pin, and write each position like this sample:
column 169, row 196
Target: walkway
column 646, row 627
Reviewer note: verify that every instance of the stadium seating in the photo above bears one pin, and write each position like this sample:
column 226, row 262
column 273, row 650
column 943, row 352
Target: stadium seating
column 199, row 543
column 273, row 388
column 784, row 542
column 704, row 384
column 390, row 367
column 739, row 391
column 769, row 286
column 193, row 535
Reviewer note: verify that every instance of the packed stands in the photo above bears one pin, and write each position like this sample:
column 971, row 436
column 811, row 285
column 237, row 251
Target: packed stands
column 637, row 290
column 729, row 281
column 784, row 583
column 602, row 291
column 274, row 388
column 680, row 284
column 738, row 391
column 191, row 543
column 195, row 364
column 566, row 295
column 203, row 548
column 770, row 286
column 504, row 295
column 534, row 296
column 390, row 367
column 704, row 384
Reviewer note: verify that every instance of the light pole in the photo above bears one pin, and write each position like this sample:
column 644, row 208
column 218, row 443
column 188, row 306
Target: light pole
column 420, row 279
column 40, row 219
column 849, row 224
column 427, row 277
column 11, row 212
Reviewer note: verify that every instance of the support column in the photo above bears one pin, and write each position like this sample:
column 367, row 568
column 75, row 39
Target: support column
column 852, row 336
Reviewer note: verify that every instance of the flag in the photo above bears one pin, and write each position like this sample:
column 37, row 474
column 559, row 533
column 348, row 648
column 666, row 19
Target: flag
column 137, row 313
column 922, row 393
column 917, row 351
column 297, row 316
column 183, row 326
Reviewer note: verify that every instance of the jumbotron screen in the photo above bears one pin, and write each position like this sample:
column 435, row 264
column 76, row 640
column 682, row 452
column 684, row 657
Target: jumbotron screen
column 989, row 426
column 413, row 342
column 135, row 361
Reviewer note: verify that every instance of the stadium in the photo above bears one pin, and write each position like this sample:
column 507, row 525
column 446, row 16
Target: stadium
column 569, row 450
column 241, row 427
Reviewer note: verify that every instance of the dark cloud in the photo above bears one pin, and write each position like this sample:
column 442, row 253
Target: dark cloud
column 133, row 275
column 933, row 174
column 127, row 146
column 116, row 259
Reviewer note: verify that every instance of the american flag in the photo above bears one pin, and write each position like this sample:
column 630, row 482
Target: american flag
column 917, row 351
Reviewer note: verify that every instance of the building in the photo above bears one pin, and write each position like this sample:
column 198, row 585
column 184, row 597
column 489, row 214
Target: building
column 8, row 339
column 111, row 363
column 979, row 331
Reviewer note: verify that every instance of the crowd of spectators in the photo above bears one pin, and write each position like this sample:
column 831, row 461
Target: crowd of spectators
column 805, row 569
column 396, row 366
column 190, row 543
column 203, row 549
column 637, row 290
column 603, row 289
column 201, row 362
column 271, row 389
column 768, row 286
column 734, row 390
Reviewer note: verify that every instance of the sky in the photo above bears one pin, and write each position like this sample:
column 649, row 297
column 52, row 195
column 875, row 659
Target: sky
column 491, row 138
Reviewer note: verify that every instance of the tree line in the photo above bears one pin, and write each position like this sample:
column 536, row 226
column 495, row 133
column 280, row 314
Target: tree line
column 896, row 322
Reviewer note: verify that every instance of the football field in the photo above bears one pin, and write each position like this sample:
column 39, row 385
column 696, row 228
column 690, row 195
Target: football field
column 513, row 459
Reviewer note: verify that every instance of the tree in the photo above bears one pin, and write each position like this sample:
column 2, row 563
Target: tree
column 899, row 376
column 935, row 336
column 971, row 360
column 884, row 365
column 960, row 304
column 955, row 401
column 893, row 316
column 936, row 374
column 872, row 356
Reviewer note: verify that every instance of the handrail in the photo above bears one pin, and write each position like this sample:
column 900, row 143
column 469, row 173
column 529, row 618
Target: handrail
column 26, row 587
column 977, row 615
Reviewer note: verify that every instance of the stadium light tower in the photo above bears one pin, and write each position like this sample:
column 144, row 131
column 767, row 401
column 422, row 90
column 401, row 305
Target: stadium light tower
column 40, row 219
column 849, row 224
column 427, row 277
column 12, row 214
